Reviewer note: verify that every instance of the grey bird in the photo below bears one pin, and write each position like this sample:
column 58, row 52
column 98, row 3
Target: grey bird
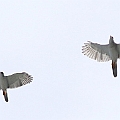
column 103, row 53
column 13, row 81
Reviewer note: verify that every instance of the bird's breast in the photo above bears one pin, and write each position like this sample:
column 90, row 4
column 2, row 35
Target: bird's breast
column 113, row 53
column 3, row 83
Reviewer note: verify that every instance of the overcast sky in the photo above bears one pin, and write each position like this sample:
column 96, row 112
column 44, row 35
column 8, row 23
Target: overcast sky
column 44, row 38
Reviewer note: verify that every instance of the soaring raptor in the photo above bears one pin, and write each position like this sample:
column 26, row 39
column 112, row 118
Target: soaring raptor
column 13, row 81
column 103, row 53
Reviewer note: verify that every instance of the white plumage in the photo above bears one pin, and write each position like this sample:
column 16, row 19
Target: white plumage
column 103, row 53
column 13, row 81
column 96, row 51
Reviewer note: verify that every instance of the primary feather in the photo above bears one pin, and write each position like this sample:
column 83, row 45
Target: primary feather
column 18, row 79
column 96, row 51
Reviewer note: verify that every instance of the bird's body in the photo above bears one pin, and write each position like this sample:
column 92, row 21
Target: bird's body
column 103, row 53
column 3, row 82
column 13, row 81
column 114, row 54
column 4, row 85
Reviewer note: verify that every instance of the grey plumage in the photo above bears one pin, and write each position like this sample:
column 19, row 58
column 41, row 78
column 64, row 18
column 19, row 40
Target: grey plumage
column 13, row 81
column 103, row 53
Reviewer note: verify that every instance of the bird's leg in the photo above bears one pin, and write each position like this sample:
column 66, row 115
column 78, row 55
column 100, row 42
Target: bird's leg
column 114, row 68
column 113, row 64
column 4, row 92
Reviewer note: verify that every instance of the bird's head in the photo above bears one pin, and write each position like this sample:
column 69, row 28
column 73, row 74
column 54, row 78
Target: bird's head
column 1, row 73
column 111, row 39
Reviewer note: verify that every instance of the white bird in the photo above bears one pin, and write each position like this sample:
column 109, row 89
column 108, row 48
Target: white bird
column 103, row 53
column 13, row 81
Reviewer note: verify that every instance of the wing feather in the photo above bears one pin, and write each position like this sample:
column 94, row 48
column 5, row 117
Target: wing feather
column 18, row 79
column 96, row 51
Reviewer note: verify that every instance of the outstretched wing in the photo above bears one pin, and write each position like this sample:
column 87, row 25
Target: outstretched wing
column 18, row 79
column 96, row 51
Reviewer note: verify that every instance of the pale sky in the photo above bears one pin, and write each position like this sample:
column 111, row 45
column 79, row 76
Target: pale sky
column 44, row 38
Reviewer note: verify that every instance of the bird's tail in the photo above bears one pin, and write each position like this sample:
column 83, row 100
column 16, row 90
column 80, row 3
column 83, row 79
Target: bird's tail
column 114, row 68
column 5, row 95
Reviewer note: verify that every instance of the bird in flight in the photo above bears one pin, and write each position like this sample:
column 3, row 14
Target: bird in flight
column 13, row 81
column 103, row 53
